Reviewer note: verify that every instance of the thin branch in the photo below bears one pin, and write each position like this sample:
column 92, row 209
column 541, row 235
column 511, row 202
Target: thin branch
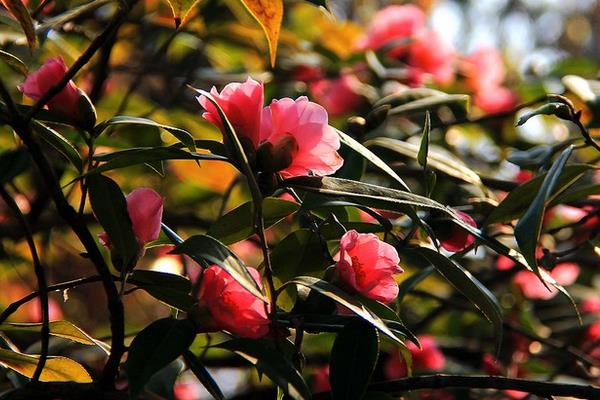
column 41, row 280
column 543, row 389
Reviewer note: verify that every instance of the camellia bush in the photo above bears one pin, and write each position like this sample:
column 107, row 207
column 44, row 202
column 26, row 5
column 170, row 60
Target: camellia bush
column 265, row 200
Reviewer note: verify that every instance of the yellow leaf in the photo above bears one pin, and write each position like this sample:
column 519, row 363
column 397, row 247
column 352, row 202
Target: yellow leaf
column 57, row 369
column 269, row 14
column 180, row 9
column 21, row 13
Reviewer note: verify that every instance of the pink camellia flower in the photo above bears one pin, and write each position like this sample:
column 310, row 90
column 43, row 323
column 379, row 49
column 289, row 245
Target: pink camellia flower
column 458, row 239
column 67, row 101
column 591, row 305
column 297, row 140
column 495, row 99
column 145, row 208
column 231, row 307
column 532, row 288
column 430, row 56
column 483, row 69
column 320, row 380
column 242, row 103
column 429, row 358
column 390, row 24
column 292, row 137
column 339, row 96
column 367, row 266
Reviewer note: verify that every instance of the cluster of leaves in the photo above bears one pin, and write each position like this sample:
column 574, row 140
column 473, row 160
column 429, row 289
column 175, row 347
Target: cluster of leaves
column 399, row 169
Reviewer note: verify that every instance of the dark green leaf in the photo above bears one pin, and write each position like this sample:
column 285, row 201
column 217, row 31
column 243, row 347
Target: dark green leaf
column 143, row 155
column 154, row 347
column 468, row 285
column 215, row 252
column 162, row 383
column 182, row 135
column 391, row 318
column 13, row 163
column 110, row 208
column 203, row 375
column 268, row 360
column 527, row 231
column 368, row 155
column 238, row 224
column 171, row 289
column 299, row 253
column 59, row 143
column 353, row 358
column 424, row 147
column 558, row 109
column 519, row 199
column 344, row 299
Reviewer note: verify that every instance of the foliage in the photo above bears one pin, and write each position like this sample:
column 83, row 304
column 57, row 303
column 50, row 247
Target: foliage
column 329, row 149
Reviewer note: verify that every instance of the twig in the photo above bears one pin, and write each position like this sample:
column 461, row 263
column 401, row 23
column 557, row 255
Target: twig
column 41, row 280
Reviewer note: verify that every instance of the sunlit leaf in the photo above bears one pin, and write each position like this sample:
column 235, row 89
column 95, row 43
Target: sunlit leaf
column 21, row 13
column 269, row 14
column 368, row 155
column 56, row 369
column 62, row 329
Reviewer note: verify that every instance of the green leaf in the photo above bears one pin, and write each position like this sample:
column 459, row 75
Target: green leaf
column 203, row 375
column 353, row 358
column 408, row 96
column 110, row 208
column 520, row 198
column 162, row 383
column 437, row 159
column 71, row 14
column 154, row 347
column 368, row 155
column 268, row 360
column 13, row 163
column 57, row 369
column 62, row 329
column 171, row 289
column 344, row 299
column 558, row 109
column 389, row 316
column 468, row 285
column 424, row 147
column 14, row 63
column 457, row 103
column 180, row 134
column 238, row 224
column 215, row 252
column 143, row 155
column 299, row 253
column 59, row 143
column 527, row 231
